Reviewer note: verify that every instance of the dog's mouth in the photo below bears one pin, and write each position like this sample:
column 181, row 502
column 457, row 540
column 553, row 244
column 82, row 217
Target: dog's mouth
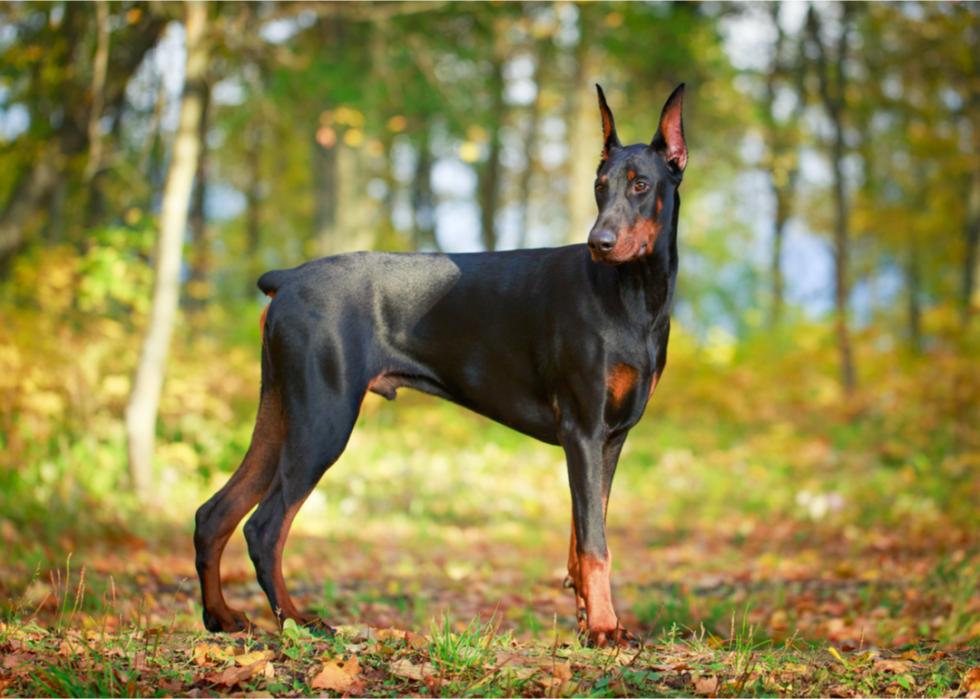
column 622, row 253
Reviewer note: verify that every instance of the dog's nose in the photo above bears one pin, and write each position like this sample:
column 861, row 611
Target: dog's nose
column 602, row 240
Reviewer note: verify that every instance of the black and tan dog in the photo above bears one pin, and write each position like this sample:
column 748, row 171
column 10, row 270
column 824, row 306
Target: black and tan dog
column 563, row 344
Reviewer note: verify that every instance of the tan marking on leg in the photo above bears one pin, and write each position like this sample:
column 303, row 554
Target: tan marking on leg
column 574, row 575
column 597, row 592
column 621, row 380
column 246, row 487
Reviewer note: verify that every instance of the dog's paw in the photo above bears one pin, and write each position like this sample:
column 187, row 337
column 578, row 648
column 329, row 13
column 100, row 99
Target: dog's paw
column 318, row 626
column 598, row 638
column 232, row 621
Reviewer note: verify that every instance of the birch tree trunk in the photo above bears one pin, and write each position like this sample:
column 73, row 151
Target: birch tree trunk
column 141, row 413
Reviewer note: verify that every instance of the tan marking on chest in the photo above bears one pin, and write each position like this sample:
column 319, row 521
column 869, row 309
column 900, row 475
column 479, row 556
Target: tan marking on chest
column 621, row 380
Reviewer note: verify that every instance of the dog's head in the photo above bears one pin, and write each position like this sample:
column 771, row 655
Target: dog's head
column 635, row 185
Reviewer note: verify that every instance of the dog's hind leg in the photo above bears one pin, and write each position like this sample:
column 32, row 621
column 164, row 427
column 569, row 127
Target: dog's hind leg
column 217, row 518
column 314, row 441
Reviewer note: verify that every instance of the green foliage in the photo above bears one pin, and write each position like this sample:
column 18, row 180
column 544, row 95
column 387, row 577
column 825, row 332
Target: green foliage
column 457, row 652
column 753, row 490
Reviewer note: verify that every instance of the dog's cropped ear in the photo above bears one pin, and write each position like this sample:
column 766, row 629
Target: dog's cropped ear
column 669, row 139
column 610, row 139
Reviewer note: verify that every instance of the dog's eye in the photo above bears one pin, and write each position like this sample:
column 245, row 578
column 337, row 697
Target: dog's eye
column 600, row 186
column 640, row 186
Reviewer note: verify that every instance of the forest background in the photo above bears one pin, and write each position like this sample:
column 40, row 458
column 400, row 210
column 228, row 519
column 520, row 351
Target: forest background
column 804, row 481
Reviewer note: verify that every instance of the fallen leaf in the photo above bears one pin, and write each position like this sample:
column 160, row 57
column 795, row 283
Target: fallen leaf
column 562, row 671
column 16, row 661
column 359, row 632
column 253, row 657
column 519, row 673
column 386, row 634
column 707, row 686
column 68, row 647
column 561, row 674
column 625, row 657
column 337, row 677
column 209, row 654
column 971, row 680
column 836, row 653
column 417, row 641
column 897, row 667
column 171, row 686
column 235, row 675
column 410, row 671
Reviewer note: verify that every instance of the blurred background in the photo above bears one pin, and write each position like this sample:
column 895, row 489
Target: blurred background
column 818, row 418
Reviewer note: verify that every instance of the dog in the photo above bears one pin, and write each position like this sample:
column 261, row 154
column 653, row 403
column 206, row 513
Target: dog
column 563, row 344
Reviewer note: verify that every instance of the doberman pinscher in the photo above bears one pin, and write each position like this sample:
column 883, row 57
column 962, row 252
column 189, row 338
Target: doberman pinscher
column 563, row 344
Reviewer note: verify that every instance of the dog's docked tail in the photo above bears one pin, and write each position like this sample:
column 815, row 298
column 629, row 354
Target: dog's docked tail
column 270, row 282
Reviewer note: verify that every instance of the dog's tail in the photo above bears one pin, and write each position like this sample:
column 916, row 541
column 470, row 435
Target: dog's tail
column 270, row 282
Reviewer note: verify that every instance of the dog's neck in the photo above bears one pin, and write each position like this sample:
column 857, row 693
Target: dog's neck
column 646, row 286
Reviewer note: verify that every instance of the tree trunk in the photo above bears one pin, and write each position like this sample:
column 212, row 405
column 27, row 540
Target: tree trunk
column 39, row 182
column 971, row 232
column 531, row 143
column 782, row 165
column 776, row 263
column 832, row 92
column 841, row 255
column 325, row 191
column 253, row 206
column 34, row 187
column 584, row 138
column 151, row 155
column 198, row 286
column 423, row 200
column 913, row 285
column 488, row 185
column 100, row 66
column 141, row 413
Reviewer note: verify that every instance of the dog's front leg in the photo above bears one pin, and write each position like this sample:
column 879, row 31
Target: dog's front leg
column 590, row 573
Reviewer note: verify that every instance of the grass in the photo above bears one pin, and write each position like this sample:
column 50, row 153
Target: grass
column 466, row 660
column 768, row 540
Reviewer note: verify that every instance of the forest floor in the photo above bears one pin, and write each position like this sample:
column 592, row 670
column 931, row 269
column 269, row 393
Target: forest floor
column 763, row 561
